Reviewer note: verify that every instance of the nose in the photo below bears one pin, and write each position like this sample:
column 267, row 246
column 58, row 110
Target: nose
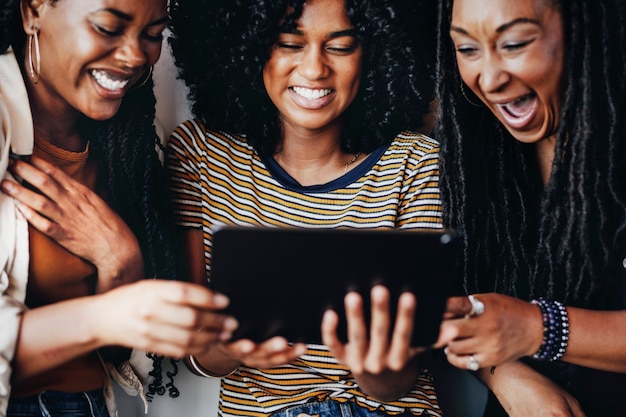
column 493, row 75
column 131, row 53
column 313, row 65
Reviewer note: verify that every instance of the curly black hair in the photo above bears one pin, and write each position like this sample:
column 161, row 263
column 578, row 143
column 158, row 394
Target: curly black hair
column 565, row 240
column 7, row 21
column 130, row 172
column 221, row 47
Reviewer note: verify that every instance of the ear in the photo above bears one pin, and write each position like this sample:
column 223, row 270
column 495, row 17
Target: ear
column 30, row 15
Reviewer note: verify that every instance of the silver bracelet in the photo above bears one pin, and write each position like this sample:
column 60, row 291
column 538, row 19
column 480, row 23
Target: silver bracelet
column 203, row 372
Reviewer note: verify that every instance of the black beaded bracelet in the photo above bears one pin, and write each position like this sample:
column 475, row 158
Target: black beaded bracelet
column 555, row 330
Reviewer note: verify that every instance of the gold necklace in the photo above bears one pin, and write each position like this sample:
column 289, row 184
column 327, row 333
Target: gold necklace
column 356, row 156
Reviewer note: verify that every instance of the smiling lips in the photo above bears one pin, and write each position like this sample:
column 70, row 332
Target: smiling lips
column 311, row 98
column 108, row 81
column 311, row 94
column 520, row 112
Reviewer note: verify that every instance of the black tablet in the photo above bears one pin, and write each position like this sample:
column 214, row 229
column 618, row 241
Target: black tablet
column 281, row 280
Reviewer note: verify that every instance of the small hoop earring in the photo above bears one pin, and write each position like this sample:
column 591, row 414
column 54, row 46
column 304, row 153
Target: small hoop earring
column 34, row 68
column 143, row 82
column 467, row 98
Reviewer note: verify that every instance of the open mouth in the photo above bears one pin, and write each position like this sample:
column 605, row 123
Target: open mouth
column 518, row 113
column 108, row 81
column 311, row 94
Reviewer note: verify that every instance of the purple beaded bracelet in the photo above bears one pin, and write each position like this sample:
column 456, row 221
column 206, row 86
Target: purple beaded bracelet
column 555, row 330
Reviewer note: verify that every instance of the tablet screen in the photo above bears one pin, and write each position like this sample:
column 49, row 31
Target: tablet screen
column 280, row 281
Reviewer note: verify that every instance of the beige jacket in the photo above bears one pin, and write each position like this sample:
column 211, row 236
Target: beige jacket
column 16, row 135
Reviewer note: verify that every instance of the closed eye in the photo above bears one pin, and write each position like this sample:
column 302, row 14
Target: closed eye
column 289, row 46
column 515, row 46
column 342, row 50
column 467, row 51
column 107, row 32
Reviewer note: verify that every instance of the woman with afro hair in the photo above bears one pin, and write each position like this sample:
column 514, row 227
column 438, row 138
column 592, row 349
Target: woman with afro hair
column 306, row 115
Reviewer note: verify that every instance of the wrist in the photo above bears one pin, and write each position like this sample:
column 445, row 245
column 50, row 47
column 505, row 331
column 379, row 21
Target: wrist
column 94, row 317
column 534, row 330
column 199, row 369
column 120, row 270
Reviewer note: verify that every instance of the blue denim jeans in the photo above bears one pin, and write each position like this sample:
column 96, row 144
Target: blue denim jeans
column 331, row 408
column 59, row 404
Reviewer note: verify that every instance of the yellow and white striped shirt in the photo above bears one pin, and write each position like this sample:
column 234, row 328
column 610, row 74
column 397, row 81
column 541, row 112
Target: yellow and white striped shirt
column 218, row 179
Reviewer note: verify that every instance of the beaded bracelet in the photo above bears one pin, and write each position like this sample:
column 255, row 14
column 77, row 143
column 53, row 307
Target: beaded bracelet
column 555, row 330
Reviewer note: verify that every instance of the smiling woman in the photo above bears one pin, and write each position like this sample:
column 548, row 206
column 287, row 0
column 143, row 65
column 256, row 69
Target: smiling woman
column 514, row 64
column 79, row 164
column 110, row 48
column 316, row 66
column 308, row 115
column 534, row 179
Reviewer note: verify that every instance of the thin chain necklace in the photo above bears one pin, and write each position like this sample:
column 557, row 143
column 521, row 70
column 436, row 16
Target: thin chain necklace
column 356, row 156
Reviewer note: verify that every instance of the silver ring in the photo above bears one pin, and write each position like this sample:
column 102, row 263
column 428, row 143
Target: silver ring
column 473, row 364
column 478, row 307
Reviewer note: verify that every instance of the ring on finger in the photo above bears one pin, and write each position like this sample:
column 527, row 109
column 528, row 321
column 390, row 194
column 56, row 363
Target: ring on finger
column 478, row 307
column 473, row 364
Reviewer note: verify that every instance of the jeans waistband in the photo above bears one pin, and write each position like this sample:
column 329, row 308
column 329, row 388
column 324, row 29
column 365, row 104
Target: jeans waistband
column 331, row 408
column 59, row 404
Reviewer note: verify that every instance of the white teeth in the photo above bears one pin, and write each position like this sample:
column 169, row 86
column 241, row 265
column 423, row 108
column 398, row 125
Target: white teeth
column 519, row 107
column 105, row 81
column 311, row 94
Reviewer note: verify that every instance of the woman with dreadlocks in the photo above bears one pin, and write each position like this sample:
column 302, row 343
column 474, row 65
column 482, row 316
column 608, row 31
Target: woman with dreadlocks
column 79, row 165
column 532, row 124
column 302, row 110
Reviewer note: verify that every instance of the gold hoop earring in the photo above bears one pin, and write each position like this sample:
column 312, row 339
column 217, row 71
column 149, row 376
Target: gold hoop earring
column 143, row 82
column 467, row 98
column 35, row 68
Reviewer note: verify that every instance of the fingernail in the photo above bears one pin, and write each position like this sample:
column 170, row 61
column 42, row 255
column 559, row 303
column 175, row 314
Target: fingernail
column 220, row 299
column 7, row 186
column 278, row 345
column 247, row 348
column 230, row 324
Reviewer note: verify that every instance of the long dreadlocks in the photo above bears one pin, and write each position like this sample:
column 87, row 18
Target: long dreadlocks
column 564, row 241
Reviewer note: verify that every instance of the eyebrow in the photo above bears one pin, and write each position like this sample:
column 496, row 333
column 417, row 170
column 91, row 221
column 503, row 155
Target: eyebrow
column 331, row 35
column 501, row 28
column 129, row 18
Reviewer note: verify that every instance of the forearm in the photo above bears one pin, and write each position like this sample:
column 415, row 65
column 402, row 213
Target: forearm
column 496, row 378
column 52, row 335
column 214, row 361
column 597, row 339
column 390, row 385
column 513, row 383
